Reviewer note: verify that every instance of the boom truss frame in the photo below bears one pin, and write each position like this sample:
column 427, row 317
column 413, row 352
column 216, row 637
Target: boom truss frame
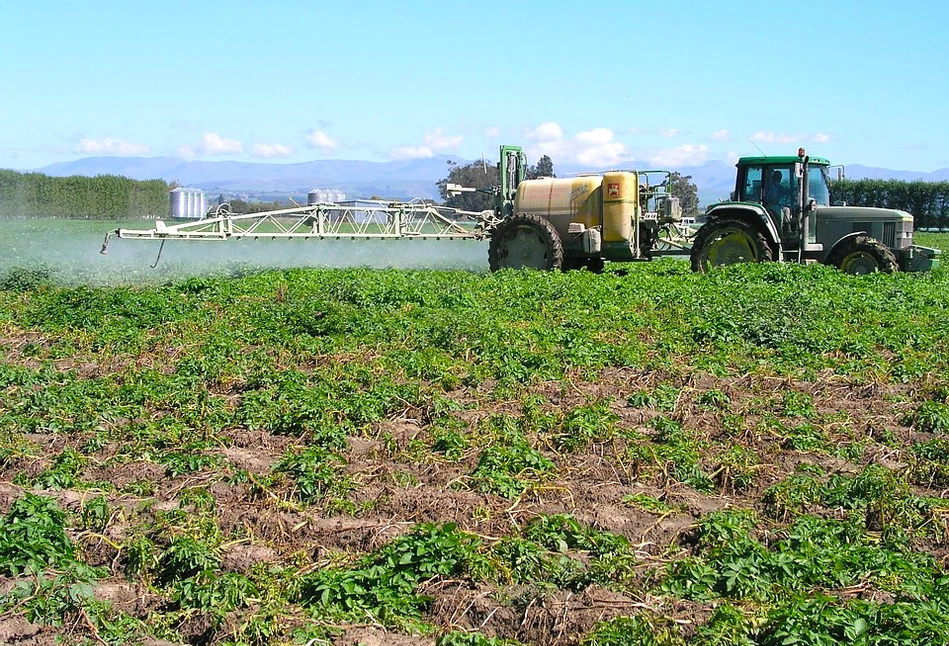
column 319, row 221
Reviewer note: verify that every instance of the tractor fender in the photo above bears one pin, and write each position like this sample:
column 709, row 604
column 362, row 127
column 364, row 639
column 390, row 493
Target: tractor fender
column 840, row 242
column 753, row 214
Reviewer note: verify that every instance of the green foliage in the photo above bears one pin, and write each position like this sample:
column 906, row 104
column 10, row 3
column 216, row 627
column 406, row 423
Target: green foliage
column 638, row 630
column 648, row 503
column 679, row 455
column 883, row 496
column 457, row 638
column 931, row 417
column 103, row 197
column 509, row 465
column 25, row 279
column 33, row 536
column 928, row 202
column 543, row 168
column 186, row 557
column 682, row 187
column 478, row 175
column 823, row 620
column 64, row 472
column 728, row 626
column 814, row 552
column 713, row 399
column 315, row 472
column 496, row 372
column 562, row 532
column 384, row 584
column 592, row 422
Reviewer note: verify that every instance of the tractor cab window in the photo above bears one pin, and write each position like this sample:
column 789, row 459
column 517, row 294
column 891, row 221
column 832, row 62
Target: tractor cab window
column 751, row 191
column 777, row 189
column 817, row 185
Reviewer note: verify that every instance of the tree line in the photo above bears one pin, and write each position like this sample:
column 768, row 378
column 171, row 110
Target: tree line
column 928, row 202
column 103, row 197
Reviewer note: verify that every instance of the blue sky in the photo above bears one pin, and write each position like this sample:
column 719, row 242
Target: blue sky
column 601, row 84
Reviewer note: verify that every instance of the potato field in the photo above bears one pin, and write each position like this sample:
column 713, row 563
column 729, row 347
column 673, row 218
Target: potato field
column 758, row 456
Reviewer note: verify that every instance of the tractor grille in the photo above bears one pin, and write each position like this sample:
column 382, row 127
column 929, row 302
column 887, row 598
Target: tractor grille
column 889, row 234
column 904, row 235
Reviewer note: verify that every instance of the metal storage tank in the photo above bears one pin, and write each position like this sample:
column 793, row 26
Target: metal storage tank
column 187, row 203
column 324, row 195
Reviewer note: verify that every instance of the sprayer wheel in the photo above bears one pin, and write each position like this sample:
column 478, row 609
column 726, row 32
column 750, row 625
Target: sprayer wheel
column 525, row 241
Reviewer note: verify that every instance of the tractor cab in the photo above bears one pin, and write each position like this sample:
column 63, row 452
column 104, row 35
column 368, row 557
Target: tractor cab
column 779, row 185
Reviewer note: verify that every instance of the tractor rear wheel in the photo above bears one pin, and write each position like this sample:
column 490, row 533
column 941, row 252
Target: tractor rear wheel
column 727, row 242
column 863, row 255
column 525, row 241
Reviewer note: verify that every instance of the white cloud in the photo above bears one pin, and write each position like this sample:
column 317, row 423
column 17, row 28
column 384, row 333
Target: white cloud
column 493, row 132
column 321, row 140
column 110, row 146
column 669, row 132
column 549, row 131
column 185, row 151
column 411, row 152
column 214, row 144
column 820, row 138
column 271, row 150
column 594, row 147
column 684, row 155
column 438, row 141
column 721, row 135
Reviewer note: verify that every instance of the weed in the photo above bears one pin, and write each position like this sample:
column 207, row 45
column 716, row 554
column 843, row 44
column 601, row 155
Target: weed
column 316, row 473
column 457, row 638
column 63, row 474
column 95, row 514
column 648, row 503
column 796, row 404
column 186, row 557
column 510, row 469
column 736, row 469
column 930, row 417
column 805, row 437
column 638, row 630
column 592, row 422
column 713, row 399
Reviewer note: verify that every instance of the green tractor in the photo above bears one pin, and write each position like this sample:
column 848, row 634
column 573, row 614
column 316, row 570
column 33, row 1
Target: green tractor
column 781, row 210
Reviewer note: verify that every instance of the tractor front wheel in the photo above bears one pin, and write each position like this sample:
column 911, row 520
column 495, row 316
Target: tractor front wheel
column 727, row 242
column 863, row 255
column 525, row 241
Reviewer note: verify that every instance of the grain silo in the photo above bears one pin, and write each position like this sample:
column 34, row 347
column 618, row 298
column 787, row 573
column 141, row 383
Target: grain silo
column 187, row 203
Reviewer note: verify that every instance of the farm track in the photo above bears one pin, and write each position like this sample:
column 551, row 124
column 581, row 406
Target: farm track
column 445, row 458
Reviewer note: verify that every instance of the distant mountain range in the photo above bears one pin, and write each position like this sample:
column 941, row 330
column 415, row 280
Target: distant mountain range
column 396, row 180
